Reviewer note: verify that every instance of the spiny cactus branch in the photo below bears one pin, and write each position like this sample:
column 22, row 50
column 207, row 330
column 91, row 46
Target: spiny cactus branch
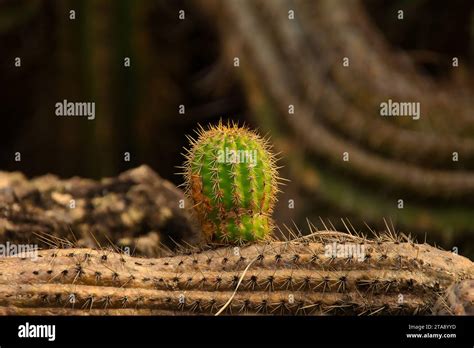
column 292, row 277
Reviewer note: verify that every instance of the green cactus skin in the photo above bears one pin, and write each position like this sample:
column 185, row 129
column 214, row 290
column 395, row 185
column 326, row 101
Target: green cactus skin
column 232, row 179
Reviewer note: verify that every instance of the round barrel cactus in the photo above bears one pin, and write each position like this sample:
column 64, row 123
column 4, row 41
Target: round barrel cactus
column 232, row 179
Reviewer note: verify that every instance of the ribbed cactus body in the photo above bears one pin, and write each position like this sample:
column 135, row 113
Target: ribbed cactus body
column 232, row 180
column 296, row 277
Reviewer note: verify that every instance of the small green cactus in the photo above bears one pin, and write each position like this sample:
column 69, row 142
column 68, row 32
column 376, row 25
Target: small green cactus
column 232, row 179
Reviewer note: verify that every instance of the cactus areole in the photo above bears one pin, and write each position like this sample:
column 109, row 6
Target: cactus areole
column 232, row 180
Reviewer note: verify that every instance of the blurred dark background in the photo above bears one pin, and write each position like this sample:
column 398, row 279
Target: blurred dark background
column 189, row 62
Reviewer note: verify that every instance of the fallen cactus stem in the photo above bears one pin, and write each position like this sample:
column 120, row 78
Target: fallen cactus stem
column 291, row 277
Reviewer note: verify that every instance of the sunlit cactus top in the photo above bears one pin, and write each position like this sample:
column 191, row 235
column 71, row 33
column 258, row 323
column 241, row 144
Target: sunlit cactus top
column 232, row 179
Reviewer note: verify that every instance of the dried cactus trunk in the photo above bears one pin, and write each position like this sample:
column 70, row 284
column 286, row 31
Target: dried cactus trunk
column 295, row 277
column 137, row 209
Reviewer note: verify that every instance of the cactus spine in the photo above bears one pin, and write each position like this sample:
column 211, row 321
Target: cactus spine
column 232, row 179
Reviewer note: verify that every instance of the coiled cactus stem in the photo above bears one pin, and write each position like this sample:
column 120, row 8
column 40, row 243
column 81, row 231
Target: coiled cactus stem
column 232, row 179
